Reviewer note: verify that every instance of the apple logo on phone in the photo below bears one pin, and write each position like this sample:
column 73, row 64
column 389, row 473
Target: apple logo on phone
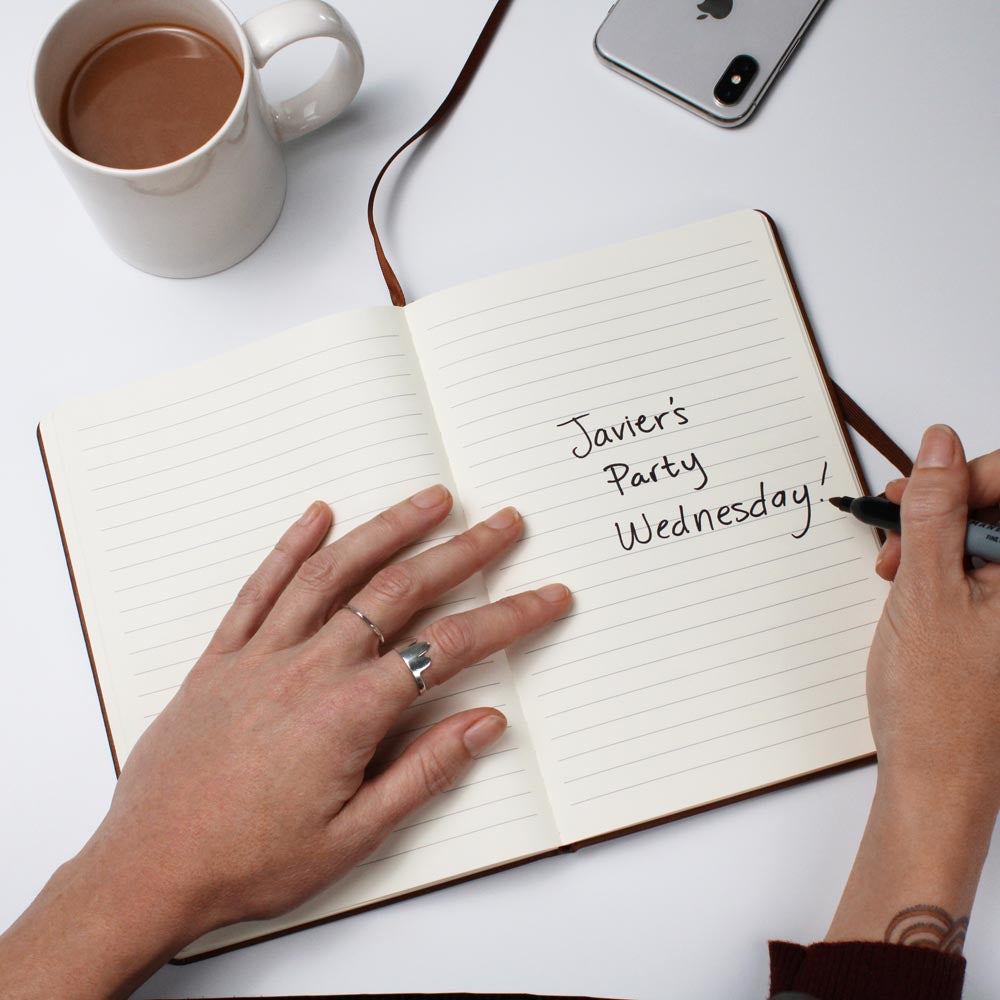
column 717, row 8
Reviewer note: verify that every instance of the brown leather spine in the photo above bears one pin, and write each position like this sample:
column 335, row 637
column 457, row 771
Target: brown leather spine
column 76, row 596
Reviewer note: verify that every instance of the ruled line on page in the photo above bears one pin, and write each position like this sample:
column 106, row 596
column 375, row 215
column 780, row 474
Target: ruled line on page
column 186, row 593
column 384, row 762
column 193, row 569
column 409, row 479
column 146, row 694
column 261, row 482
column 241, row 381
column 713, row 739
column 687, row 628
column 452, row 694
column 241, row 424
column 256, row 441
column 445, row 840
column 714, row 715
column 172, row 642
column 701, row 694
column 615, row 298
column 585, row 284
column 284, row 519
column 578, row 349
column 613, row 340
column 467, row 809
column 267, row 459
column 695, row 604
column 721, row 760
column 660, row 568
column 178, row 618
column 400, row 733
column 659, row 328
column 243, row 402
column 604, row 385
column 715, row 597
column 699, row 649
column 625, row 692
column 520, row 385
column 479, row 781
column 189, row 661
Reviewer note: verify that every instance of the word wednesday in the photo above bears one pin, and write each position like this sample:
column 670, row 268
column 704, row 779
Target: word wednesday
column 765, row 503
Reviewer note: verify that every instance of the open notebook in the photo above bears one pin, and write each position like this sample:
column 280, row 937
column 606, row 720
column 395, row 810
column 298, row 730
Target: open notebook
column 659, row 414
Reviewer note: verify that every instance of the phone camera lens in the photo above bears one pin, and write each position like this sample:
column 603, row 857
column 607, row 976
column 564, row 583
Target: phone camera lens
column 732, row 85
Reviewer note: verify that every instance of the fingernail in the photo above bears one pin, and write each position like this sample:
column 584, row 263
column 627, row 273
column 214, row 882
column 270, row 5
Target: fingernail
column 503, row 519
column 879, row 558
column 313, row 511
column 554, row 593
column 895, row 484
column 433, row 496
column 484, row 733
column 937, row 450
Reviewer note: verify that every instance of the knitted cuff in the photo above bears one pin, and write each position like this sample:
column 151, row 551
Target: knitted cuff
column 866, row 970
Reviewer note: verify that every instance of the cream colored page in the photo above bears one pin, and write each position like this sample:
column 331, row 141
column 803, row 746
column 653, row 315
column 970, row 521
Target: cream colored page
column 173, row 491
column 723, row 611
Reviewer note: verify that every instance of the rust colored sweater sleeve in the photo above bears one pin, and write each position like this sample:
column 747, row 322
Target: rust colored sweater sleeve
column 866, row 970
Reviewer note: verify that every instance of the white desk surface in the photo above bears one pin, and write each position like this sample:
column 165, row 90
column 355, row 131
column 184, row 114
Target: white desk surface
column 877, row 155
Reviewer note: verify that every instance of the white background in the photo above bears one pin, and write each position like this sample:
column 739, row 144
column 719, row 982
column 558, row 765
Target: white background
column 876, row 154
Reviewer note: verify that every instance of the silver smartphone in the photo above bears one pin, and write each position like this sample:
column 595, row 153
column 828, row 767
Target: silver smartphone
column 714, row 57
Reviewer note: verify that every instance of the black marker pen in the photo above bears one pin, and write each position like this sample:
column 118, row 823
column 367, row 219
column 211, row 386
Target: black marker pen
column 981, row 539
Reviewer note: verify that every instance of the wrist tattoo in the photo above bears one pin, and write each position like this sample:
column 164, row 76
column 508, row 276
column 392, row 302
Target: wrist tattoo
column 928, row 927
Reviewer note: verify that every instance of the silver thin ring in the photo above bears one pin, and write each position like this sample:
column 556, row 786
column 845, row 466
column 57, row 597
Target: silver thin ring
column 416, row 660
column 368, row 622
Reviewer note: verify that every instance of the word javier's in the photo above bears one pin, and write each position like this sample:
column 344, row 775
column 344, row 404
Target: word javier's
column 645, row 423
column 686, row 522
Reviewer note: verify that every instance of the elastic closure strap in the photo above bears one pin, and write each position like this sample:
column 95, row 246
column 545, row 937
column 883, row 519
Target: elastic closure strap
column 872, row 433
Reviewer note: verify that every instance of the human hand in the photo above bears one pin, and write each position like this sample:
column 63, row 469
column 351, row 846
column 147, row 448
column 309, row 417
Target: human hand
column 250, row 786
column 248, row 794
column 934, row 669
column 934, row 706
column 984, row 505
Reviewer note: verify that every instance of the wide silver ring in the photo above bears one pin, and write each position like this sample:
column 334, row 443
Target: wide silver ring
column 415, row 657
column 367, row 621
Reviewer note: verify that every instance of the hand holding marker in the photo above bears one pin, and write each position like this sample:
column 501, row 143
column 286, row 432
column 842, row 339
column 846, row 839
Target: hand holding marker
column 981, row 540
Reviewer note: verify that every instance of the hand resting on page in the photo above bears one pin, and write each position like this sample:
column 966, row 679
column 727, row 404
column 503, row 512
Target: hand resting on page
column 248, row 794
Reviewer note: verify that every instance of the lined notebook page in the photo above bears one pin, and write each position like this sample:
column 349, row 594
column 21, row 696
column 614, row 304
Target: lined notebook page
column 171, row 493
column 656, row 412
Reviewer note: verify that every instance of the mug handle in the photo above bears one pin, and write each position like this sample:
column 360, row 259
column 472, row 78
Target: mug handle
column 270, row 31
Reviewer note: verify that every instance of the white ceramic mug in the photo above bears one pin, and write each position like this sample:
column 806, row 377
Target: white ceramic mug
column 210, row 209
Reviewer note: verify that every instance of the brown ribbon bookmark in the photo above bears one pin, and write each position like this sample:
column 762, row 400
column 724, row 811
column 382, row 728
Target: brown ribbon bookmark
column 448, row 105
column 852, row 412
